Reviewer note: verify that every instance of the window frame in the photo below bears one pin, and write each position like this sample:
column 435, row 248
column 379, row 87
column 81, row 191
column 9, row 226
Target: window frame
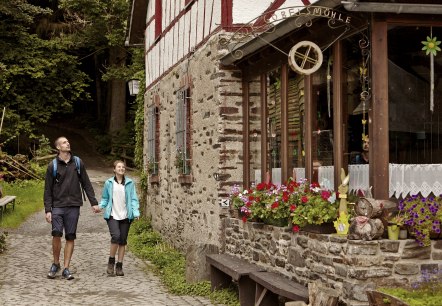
column 183, row 132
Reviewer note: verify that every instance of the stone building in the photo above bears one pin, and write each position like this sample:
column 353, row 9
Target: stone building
column 237, row 90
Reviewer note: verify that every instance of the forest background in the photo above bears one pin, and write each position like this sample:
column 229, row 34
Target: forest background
column 62, row 60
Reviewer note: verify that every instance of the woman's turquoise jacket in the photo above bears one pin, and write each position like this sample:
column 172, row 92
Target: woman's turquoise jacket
column 132, row 203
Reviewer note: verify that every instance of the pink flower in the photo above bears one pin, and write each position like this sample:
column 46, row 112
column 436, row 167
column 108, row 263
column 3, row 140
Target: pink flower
column 304, row 199
column 295, row 228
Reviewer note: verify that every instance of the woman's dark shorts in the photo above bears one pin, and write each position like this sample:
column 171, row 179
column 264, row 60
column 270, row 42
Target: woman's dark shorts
column 118, row 229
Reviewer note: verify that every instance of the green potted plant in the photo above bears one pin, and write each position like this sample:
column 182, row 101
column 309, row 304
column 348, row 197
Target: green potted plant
column 316, row 206
column 422, row 217
column 395, row 223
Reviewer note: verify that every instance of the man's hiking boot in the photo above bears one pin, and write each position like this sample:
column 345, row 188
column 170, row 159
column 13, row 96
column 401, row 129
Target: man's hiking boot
column 111, row 266
column 53, row 270
column 66, row 274
column 119, row 269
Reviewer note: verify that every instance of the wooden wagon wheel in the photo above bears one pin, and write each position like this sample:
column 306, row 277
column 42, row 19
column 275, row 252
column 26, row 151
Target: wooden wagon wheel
column 305, row 57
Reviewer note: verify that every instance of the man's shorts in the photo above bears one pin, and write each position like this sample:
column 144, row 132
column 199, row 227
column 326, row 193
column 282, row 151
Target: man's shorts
column 65, row 218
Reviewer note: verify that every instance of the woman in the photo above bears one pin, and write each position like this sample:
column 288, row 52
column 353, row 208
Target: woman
column 120, row 203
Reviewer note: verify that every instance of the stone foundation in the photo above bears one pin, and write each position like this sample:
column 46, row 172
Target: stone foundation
column 349, row 266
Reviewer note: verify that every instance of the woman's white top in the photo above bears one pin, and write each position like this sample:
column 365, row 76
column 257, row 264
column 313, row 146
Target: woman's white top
column 119, row 210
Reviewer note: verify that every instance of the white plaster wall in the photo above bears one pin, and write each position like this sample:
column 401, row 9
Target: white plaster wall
column 243, row 11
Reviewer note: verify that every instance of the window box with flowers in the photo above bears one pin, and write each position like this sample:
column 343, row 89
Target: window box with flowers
column 297, row 204
column 422, row 216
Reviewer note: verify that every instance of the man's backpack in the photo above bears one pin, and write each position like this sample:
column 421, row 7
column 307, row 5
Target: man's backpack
column 55, row 163
column 77, row 165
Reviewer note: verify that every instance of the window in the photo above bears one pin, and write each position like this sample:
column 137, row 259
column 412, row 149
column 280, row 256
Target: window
column 153, row 143
column 183, row 139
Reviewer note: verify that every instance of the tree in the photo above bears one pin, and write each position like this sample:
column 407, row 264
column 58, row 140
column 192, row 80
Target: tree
column 38, row 77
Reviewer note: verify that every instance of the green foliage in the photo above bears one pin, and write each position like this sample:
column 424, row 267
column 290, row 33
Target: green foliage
column 302, row 202
column 38, row 77
column 169, row 264
column 44, row 147
column 427, row 291
column 29, row 200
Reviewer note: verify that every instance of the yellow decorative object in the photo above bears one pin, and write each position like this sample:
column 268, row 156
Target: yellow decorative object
column 364, row 121
column 341, row 224
column 343, row 190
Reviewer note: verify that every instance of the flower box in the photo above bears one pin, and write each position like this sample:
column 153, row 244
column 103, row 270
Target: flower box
column 325, row 228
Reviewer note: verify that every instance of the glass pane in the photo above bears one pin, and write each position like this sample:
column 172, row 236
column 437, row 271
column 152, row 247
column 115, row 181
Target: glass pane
column 356, row 76
column 322, row 104
column 274, row 125
column 255, row 131
column 296, row 153
column 414, row 130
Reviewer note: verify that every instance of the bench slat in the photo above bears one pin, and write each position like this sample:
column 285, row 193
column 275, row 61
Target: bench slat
column 6, row 200
column 280, row 285
column 231, row 265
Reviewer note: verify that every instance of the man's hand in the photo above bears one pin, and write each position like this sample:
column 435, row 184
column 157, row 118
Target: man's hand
column 96, row 209
column 48, row 217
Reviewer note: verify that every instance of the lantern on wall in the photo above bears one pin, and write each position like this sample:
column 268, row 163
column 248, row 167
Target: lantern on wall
column 133, row 87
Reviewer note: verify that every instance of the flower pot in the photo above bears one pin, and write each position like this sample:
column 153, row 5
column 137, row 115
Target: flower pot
column 403, row 233
column 393, row 232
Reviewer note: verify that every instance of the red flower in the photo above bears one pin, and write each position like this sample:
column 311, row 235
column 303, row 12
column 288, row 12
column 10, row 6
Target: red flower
column 304, row 199
column 244, row 219
column 325, row 194
column 285, row 196
column 261, row 186
column 251, row 198
column 248, row 204
column 292, row 207
column 295, row 228
column 275, row 205
column 314, row 185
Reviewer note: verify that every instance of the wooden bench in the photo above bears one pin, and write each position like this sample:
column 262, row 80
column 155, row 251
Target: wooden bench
column 224, row 268
column 5, row 201
column 269, row 286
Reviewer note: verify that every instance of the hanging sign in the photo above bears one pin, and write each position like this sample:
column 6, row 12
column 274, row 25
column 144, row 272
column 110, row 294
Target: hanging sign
column 305, row 57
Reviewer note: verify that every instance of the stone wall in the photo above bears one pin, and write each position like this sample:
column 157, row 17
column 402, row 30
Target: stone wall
column 349, row 266
column 184, row 211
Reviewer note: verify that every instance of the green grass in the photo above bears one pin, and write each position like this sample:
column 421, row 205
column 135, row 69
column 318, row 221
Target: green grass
column 169, row 265
column 29, row 200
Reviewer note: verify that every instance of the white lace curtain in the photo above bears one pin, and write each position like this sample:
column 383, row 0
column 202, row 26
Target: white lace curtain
column 405, row 179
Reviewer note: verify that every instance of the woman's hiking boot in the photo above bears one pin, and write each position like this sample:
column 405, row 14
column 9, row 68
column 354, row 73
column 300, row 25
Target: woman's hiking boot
column 110, row 266
column 119, row 269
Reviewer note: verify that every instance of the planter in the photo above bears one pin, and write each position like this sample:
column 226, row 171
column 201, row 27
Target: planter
column 324, row 228
column 403, row 233
column 277, row 222
column 393, row 232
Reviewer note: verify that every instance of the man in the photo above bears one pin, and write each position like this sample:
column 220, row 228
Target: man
column 62, row 200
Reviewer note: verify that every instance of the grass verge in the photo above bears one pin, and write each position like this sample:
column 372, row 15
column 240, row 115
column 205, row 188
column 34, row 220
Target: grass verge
column 169, row 265
column 29, row 200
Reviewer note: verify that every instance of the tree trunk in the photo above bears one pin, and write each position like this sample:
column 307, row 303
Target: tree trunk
column 117, row 118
